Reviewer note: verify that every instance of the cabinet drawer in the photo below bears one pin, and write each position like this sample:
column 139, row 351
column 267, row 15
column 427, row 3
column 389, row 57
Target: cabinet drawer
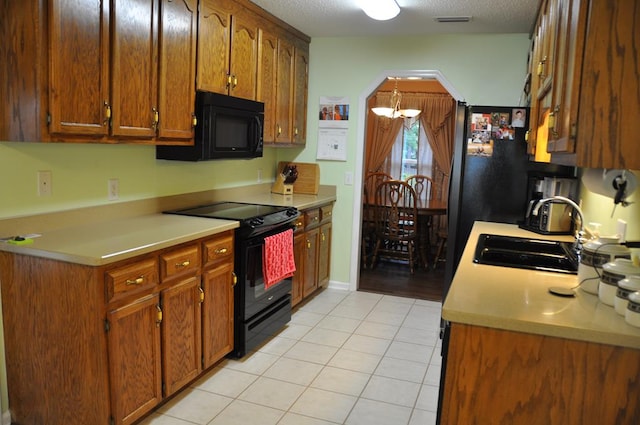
column 325, row 213
column 131, row 278
column 218, row 249
column 299, row 224
column 312, row 217
column 179, row 261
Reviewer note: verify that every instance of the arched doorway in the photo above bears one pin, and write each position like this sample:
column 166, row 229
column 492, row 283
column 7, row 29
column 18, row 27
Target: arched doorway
column 361, row 137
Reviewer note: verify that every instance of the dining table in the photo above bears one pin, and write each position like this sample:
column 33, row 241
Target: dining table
column 426, row 209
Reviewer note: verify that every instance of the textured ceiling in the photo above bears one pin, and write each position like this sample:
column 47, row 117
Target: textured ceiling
column 343, row 18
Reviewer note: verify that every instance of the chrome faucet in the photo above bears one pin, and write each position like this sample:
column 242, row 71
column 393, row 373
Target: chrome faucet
column 579, row 236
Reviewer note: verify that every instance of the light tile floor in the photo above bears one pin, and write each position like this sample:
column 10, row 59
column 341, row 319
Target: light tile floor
column 352, row 358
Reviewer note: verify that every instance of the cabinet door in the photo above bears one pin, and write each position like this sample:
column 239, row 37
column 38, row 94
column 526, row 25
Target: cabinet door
column 311, row 262
column 610, row 87
column 244, row 57
column 134, row 358
column 177, row 67
column 266, row 90
column 301, row 76
column 568, row 63
column 217, row 313
column 134, row 89
column 324, row 254
column 284, row 95
column 79, row 67
column 181, row 337
column 214, row 38
column 299, row 250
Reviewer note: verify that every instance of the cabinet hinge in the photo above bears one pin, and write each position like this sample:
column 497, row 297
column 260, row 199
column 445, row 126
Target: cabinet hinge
column 111, row 420
column 164, row 388
column 107, row 325
column 48, row 119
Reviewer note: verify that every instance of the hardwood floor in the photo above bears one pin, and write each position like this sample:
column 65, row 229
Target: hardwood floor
column 393, row 278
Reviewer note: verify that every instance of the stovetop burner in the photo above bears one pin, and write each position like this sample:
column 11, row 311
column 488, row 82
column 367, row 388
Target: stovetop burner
column 230, row 211
column 252, row 216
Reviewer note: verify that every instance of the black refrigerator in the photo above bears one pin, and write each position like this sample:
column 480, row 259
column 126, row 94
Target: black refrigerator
column 491, row 173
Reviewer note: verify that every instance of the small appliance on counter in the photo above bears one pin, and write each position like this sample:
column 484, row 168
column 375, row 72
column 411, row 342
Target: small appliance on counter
column 552, row 217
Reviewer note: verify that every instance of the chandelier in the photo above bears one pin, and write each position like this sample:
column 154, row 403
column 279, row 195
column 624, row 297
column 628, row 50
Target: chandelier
column 393, row 110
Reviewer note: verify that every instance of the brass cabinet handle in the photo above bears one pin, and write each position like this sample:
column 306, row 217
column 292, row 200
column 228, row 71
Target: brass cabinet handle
column 185, row 263
column 308, row 244
column 540, row 68
column 323, row 237
column 107, row 113
column 158, row 315
column 235, row 82
column 552, row 121
column 228, row 80
column 526, row 136
column 279, row 129
column 156, row 118
column 295, row 131
column 194, row 120
column 235, row 278
column 201, row 294
column 137, row 281
column 299, row 224
column 220, row 251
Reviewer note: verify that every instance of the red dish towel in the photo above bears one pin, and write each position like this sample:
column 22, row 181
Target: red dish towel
column 277, row 258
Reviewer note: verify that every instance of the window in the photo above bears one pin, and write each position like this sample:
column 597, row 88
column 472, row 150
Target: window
column 411, row 153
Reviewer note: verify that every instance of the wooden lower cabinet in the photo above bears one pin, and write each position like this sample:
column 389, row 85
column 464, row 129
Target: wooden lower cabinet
column 181, row 334
column 502, row 377
column 312, row 252
column 105, row 345
column 134, row 358
column 217, row 313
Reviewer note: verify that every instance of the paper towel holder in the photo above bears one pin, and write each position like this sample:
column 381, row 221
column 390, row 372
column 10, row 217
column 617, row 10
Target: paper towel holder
column 612, row 183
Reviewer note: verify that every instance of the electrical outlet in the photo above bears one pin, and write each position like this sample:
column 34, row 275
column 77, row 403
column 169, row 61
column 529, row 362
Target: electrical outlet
column 259, row 175
column 44, row 183
column 113, row 189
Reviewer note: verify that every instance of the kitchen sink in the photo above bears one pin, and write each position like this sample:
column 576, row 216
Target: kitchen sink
column 526, row 253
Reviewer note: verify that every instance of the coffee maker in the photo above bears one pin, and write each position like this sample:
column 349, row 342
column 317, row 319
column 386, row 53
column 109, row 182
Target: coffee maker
column 553, row 217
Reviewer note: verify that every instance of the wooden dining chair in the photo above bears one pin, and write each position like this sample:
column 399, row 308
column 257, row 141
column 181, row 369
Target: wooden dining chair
column 424, row 187
column 396, row 220
column 371, row 181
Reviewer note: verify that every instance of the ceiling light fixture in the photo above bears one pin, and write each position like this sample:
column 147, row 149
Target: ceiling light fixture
column 393, row 110
column 380, row 10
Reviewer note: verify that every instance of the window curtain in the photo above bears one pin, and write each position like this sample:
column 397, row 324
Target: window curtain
column 382, row 134
column 424, row 157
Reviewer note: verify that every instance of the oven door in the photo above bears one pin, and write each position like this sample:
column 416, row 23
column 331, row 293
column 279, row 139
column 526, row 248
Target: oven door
column 256, row 297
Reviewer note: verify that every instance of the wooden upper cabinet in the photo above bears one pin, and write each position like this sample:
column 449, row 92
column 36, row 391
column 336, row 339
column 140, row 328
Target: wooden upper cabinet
column 284, row 94
column 301, row 77
column 584, row 101
column 267, row 87
column 566, row 85
column 610, row 87
column 78, row 67
column 134, row 77
column 177, row 68
column 227, row 50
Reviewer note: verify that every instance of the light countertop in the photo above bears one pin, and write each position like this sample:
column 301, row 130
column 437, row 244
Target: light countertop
column 97, row 236
column 518, row 299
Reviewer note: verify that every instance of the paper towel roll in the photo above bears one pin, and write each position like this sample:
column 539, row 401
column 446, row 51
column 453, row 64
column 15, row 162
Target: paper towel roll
column 603, row 181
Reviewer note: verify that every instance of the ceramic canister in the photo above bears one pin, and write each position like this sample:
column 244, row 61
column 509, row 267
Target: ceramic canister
column 595, row 254
column 625, row 287
column 632, row 314
column 612, row 273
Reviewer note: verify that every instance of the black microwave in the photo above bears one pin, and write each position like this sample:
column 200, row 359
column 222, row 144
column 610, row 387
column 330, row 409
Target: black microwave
column 227, row 127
